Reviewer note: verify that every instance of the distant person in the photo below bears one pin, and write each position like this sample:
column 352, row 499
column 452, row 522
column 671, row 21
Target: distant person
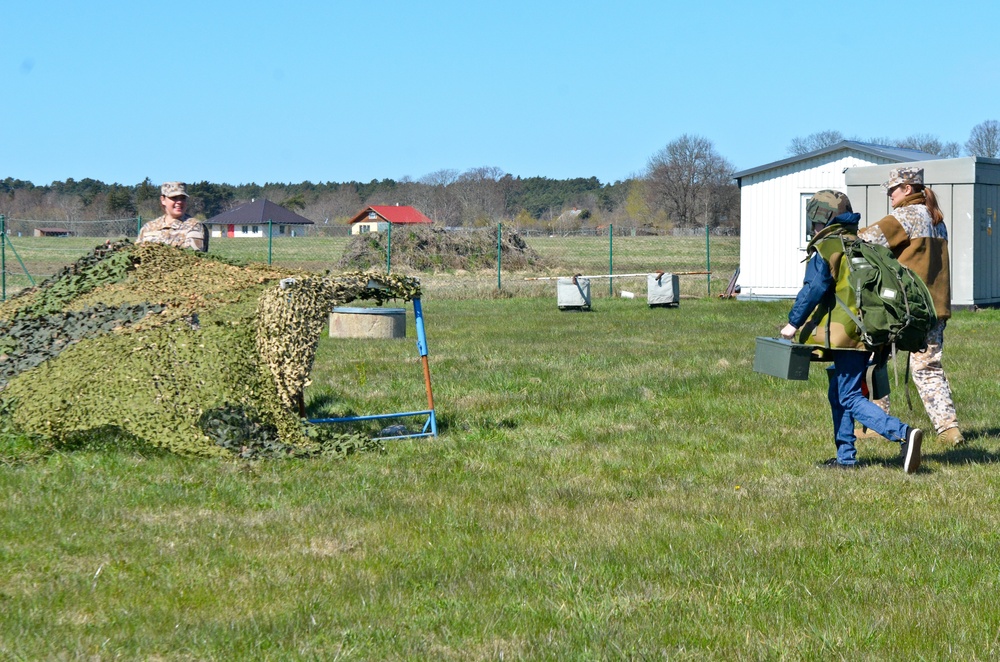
column 175, row 227
column 915, row 234
column 816, row 319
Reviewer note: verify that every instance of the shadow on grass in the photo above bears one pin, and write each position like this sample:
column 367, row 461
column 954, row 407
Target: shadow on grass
column 968, row 453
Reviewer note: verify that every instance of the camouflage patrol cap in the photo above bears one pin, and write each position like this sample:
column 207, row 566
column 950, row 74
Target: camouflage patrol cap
column 825, row 205
column 173, row 189
column 911, row 176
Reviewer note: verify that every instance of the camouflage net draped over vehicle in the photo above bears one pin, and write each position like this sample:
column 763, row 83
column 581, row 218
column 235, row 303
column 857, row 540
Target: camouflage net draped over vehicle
column 177, row 349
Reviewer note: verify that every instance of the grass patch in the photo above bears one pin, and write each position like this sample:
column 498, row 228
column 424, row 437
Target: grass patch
column 562, row 256
column 613, row 484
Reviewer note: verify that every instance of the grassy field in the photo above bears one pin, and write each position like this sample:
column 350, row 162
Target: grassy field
column 563, row 256
column 616, row 484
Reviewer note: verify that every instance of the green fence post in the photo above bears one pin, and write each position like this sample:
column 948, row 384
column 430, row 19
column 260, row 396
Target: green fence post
column 499, row 251
column 611, row 258
column 3, row 255
column 708, row 262
column 270, row 239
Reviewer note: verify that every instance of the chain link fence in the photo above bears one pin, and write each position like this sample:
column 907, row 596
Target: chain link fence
column 616, row 259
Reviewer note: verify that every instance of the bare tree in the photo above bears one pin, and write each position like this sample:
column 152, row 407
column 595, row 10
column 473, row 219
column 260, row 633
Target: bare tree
column 437, row 197
column 482, row 194
column 334, row 208
column 928, row 143
column 683, row 178
column 68, row 207
column 984, row 140
column 814, row 141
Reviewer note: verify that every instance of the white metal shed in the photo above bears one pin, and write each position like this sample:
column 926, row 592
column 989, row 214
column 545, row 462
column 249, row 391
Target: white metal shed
column 772, row 210
column 968, row 190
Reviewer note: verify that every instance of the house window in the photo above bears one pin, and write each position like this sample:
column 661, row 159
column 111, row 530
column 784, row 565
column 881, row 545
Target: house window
column 364, row 228
column 256, row 229
column 372, row 216
column 244, row 229
column 281, row 229
column 805, row 227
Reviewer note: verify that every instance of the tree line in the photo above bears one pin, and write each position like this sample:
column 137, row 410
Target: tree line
column 474, row 198
column 685, row 184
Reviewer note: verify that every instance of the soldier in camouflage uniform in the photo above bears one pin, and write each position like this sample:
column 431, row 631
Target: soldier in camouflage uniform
column 175, row 227
column 816, row 319
column 915, row 234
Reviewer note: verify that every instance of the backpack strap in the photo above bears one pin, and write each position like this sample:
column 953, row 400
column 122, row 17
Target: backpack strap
column 857, row 295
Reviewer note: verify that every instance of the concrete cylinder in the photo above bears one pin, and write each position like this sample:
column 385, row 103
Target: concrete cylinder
column 368, row 323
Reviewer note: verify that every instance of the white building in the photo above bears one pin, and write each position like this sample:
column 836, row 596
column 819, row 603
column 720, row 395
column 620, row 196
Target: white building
column 772, row 210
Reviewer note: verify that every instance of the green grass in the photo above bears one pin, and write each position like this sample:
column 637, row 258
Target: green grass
column 563, row 256
column 616, row 484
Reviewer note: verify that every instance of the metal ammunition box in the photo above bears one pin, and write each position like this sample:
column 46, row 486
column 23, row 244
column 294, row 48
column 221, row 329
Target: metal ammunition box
column 782, row 358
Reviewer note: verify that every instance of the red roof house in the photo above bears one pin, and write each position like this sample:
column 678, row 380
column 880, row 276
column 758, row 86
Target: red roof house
column 376, row 218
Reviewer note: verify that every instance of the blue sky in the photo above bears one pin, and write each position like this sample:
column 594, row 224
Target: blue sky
column 240, row 92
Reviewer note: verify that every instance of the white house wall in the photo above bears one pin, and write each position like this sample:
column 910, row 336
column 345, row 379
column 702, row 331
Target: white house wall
column 772, row 234
column 363, row 227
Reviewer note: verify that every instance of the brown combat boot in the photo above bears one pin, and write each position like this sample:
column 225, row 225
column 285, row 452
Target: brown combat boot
column 952, row 436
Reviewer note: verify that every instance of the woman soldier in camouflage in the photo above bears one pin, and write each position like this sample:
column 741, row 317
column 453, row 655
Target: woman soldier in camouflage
column 175, row 227
column 816, row 319
column 915, row 234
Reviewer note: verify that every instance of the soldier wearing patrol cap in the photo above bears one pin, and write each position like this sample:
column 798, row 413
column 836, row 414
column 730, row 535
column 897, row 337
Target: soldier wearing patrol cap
column 916, row 235
column 175, row 227
column 815, row 319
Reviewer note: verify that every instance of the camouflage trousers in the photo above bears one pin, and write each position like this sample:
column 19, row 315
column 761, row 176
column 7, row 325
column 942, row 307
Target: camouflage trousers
column 932, row 383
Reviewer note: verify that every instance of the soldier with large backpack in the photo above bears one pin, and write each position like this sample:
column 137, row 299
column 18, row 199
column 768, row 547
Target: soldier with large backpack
column 826, row 314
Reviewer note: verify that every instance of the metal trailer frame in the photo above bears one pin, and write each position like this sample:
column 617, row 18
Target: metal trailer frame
column 430, row 425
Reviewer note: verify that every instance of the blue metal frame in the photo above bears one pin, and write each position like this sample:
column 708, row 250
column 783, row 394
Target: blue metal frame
column 430, row 426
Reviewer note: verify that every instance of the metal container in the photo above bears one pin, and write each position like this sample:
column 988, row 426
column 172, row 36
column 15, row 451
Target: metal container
column 782, row 358
column 573, row 293
column 876, row 384
column 662, row 290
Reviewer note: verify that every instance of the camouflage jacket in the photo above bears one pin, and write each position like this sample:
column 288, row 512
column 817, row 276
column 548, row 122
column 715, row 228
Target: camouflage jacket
column 909, row 232
column 828, row 324
column 187, row 232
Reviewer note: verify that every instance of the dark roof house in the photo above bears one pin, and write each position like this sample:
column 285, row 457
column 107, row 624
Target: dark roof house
column 259, row 212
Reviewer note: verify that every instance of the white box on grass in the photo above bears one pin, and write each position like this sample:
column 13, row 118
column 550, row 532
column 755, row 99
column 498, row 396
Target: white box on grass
column 662, row 290
column 573, row 293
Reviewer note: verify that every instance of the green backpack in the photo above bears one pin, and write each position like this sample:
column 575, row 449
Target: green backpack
column 896, row 308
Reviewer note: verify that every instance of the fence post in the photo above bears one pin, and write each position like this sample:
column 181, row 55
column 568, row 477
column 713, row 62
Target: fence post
column 611, row 258
column 3, row 255
column 499, row 251
column 138, row 225
column 708, row 262
column 388, row 249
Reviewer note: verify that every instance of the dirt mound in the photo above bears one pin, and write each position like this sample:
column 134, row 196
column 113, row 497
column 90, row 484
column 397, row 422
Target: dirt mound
column 436, row 249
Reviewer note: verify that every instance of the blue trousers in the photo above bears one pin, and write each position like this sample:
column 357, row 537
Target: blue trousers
column 848, row 404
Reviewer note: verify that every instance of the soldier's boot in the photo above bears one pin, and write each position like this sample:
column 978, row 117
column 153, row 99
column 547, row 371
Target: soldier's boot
column 952, row 436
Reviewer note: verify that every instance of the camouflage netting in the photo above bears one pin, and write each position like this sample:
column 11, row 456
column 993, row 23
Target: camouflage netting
column 176, row 349
column 430, row 249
